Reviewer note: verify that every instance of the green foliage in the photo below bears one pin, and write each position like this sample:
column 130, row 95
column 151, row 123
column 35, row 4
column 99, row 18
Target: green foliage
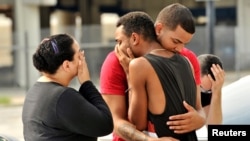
column 4, row 100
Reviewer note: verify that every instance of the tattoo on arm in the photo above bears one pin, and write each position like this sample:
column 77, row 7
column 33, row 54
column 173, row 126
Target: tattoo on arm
column 130, row 133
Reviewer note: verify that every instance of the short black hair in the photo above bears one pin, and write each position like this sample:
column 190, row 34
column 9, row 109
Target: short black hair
column 138, row 22
column 177, row 14
column 206, row 61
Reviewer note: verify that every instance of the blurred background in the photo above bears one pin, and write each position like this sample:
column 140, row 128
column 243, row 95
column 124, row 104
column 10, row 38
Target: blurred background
column 222, row 28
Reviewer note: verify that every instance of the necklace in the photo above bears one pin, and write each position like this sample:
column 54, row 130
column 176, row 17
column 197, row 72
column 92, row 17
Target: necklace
column 159, row 49
column 162, row 52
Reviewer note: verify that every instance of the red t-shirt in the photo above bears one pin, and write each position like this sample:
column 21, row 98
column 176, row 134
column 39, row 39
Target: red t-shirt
column 113, row 80
column 194, row 61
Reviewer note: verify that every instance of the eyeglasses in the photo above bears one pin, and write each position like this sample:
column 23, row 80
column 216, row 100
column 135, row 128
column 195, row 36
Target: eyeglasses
column 205, row 91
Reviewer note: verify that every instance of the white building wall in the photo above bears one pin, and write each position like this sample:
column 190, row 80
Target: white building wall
column 242, row 50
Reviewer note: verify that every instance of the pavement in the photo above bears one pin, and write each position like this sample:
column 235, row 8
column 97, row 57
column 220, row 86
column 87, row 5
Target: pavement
column 11, row 124
column 10, row 119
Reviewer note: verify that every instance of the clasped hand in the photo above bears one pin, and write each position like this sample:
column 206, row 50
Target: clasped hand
column 187, row 122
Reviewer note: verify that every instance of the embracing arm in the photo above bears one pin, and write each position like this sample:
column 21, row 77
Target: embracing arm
column 184, row 123
column 195, row 118
column 113, row 84
column 137, row 112
column 122, row 127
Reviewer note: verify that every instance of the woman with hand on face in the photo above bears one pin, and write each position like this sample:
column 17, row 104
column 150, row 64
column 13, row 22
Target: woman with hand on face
column 52, row 110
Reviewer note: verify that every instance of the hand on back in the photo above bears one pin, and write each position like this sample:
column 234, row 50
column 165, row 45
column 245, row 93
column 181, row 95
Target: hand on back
column 187, row 122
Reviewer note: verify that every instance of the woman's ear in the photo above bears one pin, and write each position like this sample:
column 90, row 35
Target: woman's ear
column 158, row 28
column 66, row 66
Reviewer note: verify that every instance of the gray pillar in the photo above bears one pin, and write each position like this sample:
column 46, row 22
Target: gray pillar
column 85, row 12
column 210, row 13
column 242, row 49
column 28, row 37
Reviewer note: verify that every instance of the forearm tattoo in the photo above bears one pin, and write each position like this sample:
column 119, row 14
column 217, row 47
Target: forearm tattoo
column 130, row 133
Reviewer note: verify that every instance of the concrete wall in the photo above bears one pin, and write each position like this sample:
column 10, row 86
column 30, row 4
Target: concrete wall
column 5, row 41
column 242, row 35
column 231, row 42
column 224, row 44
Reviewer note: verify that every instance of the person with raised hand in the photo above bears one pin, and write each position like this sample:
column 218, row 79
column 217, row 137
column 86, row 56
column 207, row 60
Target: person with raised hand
column 52, row 110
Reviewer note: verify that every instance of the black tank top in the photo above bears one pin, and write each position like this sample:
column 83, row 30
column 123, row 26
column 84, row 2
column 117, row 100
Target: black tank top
column 177, row 80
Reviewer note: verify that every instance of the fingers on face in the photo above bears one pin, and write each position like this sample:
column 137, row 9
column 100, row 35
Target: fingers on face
column 218, row 72
column 116, row 50
column 81, row 54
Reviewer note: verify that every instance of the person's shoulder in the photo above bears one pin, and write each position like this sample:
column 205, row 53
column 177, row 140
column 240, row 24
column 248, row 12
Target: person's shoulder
column 111, row 58
column 190, row 55
column 138, row 62
column 187, row 52
column 140, row 67
column 67, row 92
column 138, row 59
column 111, row 55
column 111, row 64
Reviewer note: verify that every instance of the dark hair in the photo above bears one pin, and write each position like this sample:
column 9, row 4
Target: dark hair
column 138, row 22
column 176, row 14
column 206, row 61
column 52, row 51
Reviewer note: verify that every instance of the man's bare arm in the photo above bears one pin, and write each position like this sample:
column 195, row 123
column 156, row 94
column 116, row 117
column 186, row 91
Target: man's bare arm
column 122, row 127
column 215, row 110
